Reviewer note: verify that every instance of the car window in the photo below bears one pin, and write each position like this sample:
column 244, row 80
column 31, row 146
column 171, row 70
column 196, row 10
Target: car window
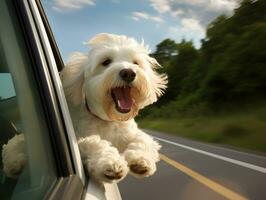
column 6, row 79
column 24, row 137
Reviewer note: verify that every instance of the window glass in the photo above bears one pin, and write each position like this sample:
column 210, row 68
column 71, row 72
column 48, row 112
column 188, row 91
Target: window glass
column 6, row 80
column 23, row 131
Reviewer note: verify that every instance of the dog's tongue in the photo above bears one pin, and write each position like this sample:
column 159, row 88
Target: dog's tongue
column 122, row 99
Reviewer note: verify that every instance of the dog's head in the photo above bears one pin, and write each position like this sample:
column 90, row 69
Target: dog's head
column 116, row 79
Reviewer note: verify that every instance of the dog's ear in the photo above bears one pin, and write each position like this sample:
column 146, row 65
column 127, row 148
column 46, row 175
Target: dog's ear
column 159, row 80
column 154, row 63
column 160, row 83
column 72, row 77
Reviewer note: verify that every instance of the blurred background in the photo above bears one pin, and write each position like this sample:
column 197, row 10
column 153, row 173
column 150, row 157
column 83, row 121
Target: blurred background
column 214, row 53
column 216, row 93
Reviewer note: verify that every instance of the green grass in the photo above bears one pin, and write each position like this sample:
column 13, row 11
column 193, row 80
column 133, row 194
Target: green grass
column 245, row 130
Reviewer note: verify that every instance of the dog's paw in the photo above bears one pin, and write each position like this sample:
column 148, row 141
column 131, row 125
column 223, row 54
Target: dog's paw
column 140, row 165
column 110, row 170
column 115, row 171
column 13, row 156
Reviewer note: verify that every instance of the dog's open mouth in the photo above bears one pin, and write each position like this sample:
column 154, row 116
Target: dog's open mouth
column 122, row 98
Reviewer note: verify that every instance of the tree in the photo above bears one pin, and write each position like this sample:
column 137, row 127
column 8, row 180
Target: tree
column 180, row 67
column 230, row 67
column 237, row 56
column 165, row 51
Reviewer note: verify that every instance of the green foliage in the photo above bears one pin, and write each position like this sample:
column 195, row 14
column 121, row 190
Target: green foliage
column 229, row 68
column 244, row 129
column 165, row 50
column 217, row 93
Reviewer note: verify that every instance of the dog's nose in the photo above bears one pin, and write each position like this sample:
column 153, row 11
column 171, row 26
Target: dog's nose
column 127, row 75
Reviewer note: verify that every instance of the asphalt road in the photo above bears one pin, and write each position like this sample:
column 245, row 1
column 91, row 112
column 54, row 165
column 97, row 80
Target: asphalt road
column 191, row 170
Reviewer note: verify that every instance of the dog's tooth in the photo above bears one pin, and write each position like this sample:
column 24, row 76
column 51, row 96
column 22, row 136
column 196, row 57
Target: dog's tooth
column 119, row 104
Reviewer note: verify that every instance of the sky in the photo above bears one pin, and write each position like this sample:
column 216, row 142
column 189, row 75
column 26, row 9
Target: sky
column 74, row 22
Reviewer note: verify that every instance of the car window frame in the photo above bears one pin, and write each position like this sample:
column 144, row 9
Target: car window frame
column 75, row 185
column 58, row 89
column 69, row 183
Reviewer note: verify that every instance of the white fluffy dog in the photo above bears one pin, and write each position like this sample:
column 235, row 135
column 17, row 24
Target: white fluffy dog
column 105, row 90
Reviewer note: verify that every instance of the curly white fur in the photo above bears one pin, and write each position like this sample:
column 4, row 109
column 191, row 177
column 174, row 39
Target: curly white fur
column 110, row 142
column 13, row 156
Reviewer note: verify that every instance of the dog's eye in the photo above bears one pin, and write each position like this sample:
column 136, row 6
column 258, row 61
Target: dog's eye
column 135, row 62
column 107, row 62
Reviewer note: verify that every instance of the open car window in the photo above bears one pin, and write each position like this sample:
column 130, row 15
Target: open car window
column 22, row 118
column 37, row 159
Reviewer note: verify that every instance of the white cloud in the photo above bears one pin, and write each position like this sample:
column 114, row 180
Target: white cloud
column 163, row 6
column 142, row 15
column 177, row 13
column 190, row 24
column 69, row 5
column 222, row 5
column 192, row 16
column 204, row 10
column 189, row 29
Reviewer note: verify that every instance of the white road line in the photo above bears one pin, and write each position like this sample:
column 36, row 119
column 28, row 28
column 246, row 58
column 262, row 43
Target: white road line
column 237, row 162
column 222, row 148
column 239, row 152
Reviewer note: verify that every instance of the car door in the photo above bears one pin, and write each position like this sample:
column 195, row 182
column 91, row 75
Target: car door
column 33, row 106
